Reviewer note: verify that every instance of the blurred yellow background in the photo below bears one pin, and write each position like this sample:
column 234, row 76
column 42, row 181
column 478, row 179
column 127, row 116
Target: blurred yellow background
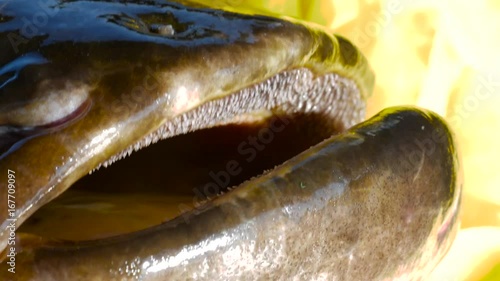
column 444, row 56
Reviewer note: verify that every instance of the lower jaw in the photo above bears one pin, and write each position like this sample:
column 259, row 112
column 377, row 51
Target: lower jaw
column 387, row 188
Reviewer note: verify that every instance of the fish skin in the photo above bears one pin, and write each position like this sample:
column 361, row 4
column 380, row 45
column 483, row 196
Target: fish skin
column 90, row 67
column 377, row 202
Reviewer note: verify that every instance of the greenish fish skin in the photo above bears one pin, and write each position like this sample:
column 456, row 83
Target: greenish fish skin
column 377, row 202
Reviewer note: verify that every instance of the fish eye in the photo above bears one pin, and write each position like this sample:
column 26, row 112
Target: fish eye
column 30, row 107
column 37, row 103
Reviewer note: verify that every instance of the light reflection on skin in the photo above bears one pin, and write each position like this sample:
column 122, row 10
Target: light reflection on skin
column 210, row 244
column 102, row 140
column 185, row 99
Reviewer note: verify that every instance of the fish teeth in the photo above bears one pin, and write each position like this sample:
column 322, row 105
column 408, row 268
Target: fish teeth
column 289, row 92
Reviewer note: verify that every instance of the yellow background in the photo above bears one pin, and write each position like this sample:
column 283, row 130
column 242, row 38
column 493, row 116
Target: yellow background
column 444, row 56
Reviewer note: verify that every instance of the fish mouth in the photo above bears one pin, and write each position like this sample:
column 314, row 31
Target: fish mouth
column 201, row 155
column 198, row 172
column 330, row 166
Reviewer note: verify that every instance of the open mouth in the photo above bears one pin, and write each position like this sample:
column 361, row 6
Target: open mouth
column 254, row 175
column 226, row 143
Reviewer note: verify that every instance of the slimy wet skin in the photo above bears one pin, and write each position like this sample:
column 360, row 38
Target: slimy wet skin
column 98, row 81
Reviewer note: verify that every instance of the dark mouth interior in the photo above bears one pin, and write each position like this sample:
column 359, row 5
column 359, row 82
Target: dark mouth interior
column 172, row 176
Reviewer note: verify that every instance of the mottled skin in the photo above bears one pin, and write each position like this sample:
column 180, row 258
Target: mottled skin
column 376, row 202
